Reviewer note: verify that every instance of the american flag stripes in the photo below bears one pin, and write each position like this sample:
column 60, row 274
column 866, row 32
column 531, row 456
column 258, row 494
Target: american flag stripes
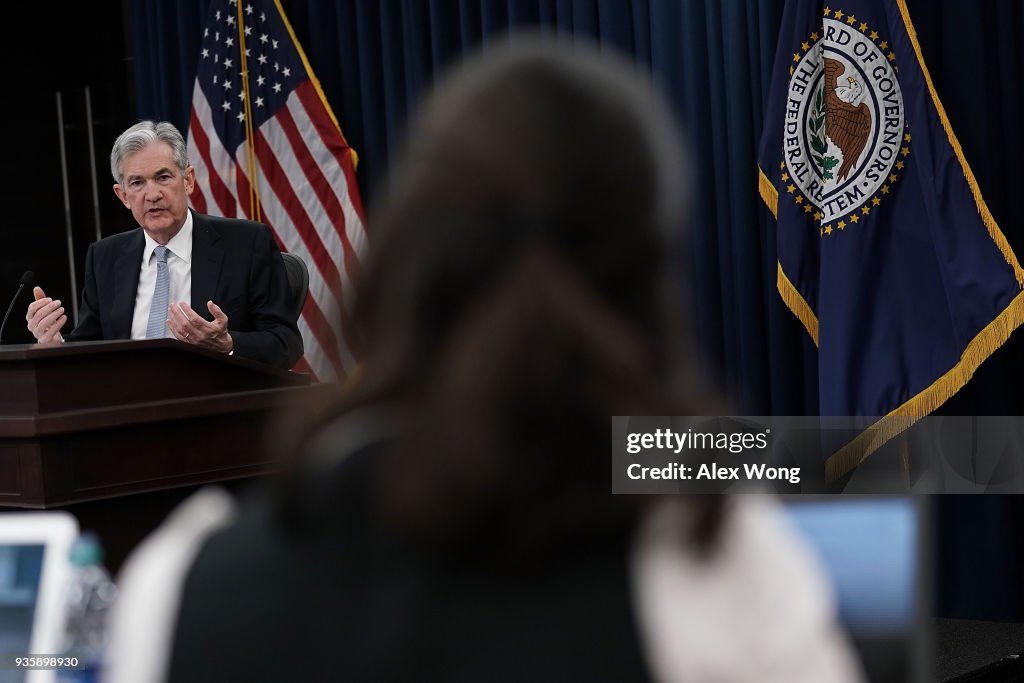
column 267, row 147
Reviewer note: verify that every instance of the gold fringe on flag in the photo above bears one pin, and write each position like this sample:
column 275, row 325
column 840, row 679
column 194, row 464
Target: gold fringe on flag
column 796, row 303
column 790, row 295
column 315, row 81
column 769, row 194
column 981, row 347
column 979, row 201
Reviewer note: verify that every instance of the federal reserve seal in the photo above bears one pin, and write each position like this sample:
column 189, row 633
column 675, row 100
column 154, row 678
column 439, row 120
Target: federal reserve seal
column 845, row 127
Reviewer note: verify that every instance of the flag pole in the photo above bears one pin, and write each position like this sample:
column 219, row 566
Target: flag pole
column 67, row 206
column 250, row 143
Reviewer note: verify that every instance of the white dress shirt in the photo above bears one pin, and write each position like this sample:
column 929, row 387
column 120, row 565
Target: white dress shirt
column 179, row 267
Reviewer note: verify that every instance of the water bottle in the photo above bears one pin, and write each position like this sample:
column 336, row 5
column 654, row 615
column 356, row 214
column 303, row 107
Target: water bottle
column 90, row 595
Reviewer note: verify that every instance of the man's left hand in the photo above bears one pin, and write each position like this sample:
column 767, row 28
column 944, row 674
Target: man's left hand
column 187, row 326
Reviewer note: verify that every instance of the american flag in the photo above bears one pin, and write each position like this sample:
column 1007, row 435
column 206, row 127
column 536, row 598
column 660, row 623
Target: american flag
column 266, row 146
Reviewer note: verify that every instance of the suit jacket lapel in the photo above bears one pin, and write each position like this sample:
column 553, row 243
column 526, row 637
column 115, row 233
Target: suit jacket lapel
column 126, row 284
column 206, row 263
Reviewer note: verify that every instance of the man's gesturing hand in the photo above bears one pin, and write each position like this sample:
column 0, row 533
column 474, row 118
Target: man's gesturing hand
column 45, row 317
column 188, row 326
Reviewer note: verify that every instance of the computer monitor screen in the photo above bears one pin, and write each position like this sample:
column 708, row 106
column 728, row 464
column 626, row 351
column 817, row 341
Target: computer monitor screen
column 20, row 573
column 873, row 550
column 34, row 571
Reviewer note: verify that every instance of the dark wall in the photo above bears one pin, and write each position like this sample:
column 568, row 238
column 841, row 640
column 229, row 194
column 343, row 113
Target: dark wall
column 64, row 50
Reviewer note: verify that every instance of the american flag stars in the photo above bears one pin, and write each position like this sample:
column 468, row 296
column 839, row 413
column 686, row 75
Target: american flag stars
column 271, row 75
column 265, row 145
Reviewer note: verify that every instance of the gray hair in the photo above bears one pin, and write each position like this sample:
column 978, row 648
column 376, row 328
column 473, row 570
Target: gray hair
column 140, row 135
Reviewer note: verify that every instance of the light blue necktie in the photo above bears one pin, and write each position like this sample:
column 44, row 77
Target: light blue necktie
column 157, row 326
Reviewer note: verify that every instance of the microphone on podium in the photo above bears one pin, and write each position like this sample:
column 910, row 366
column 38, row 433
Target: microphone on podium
column 26, row 281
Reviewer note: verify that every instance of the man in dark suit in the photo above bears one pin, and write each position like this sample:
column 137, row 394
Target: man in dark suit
column 218, row 283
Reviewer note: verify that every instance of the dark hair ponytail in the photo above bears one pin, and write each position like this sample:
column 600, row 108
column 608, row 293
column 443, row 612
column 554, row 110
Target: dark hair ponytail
column 516, row 299
column 512, row 429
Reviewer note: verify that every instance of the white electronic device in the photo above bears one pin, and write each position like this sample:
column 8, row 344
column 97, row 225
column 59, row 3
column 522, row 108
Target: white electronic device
column 34, row 573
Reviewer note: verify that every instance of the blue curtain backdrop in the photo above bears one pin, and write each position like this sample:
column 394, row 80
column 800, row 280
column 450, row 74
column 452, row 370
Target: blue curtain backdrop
column 375, row 58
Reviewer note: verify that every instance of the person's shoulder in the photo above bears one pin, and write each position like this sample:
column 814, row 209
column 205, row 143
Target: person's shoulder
column 113, row 245
column 237, row 233
column 119, row 239
column 232, row 226
column 143, row 618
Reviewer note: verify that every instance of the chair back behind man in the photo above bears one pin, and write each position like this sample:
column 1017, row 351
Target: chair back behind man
column 298, row 281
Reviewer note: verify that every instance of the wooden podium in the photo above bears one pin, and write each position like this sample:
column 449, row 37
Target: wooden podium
column 98, row 422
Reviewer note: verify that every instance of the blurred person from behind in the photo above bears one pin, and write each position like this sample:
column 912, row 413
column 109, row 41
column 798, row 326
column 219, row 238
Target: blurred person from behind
column 451, row 519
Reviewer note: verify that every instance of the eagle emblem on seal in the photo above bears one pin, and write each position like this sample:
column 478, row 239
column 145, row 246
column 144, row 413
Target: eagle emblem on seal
column 847, row 118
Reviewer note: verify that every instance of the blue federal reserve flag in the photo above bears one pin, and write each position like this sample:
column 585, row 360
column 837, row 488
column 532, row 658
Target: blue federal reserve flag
column 887, row 252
